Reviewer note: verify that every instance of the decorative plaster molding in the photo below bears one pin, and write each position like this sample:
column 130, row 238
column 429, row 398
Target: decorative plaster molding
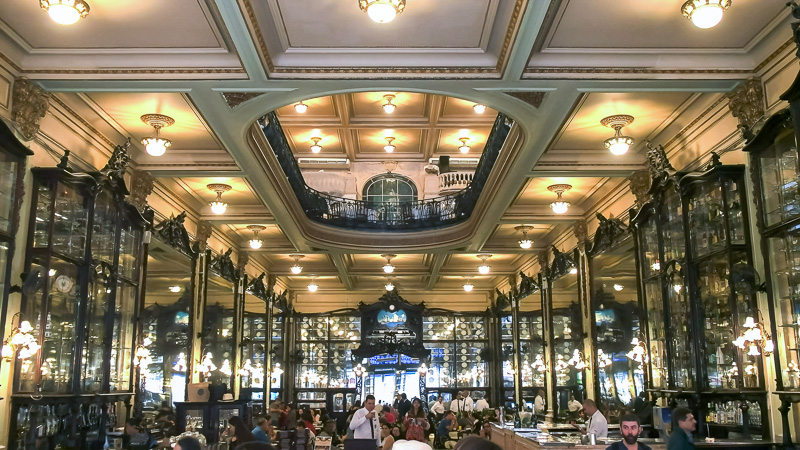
column 242, row 260
column 746, row 103
column 29, row 103
column 640, row 184
column 204, row 229
column 142, row 184
column 543, row 257
column 581, row 232
column 532, row 98
column 234, row 99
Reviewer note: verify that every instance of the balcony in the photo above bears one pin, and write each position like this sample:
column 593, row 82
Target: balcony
column 462, row 190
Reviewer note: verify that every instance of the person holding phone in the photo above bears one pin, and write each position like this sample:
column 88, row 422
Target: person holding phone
column 416, row 423
column 365, row 426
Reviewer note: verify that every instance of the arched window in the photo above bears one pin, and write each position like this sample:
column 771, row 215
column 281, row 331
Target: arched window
column 390, row 188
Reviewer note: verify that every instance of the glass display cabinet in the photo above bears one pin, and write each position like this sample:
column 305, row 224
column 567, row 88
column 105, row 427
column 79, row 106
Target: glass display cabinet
column 705, row 290
column 279, row 364
column 81, row 296
column 255, row 342
column 210, row 419
column 617, row 319
column 775, row 170
column 218, row 338
column 166, row 317
column 567, row 360
column 12, row 171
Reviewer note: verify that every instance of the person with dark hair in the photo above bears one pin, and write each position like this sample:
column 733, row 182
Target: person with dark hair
column 329, row 430
column 683, row 425
column 289, row 417
column 262, row 431
column 365, row 426
column 597, row 423
column 389, row 415
column 386, row 435
column 309, row 420
column 302, row 427
column 415, row 422
column 138, row 437
column 446, row 425
column 630, row 428
column 188, row 443
column 240, row 432
column 405, row 405
column 476, row 443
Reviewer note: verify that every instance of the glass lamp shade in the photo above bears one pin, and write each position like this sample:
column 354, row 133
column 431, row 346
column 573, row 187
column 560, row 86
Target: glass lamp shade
column 559, row 207
column 389, row 286
column 484, row 269
column 389, row 108
column 705, row 14
column 389, row 148
column 468, row 287
column 618, row 145
column 296, row 269
column 480, row 109
column 618, row 287
column 301, row 107
column 65, row 12
column 316, row 148
column 388, row 268
column 382, row 11
column 219, row 208
column 312, row 287
column 573, row 271
column 175, row 289
column 525, row 244
column 256, row 244
column 156, row 146
column 464, row 149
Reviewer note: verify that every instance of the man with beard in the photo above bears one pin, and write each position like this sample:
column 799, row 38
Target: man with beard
column 630, row 428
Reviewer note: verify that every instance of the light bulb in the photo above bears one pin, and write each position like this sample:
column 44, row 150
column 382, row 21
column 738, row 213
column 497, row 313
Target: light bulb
column 382, row 12
column 156, row 146
column 753, row 350
column 301, row 107
column 219, row 208
column 525, row 244
column 256, row 244
column 656, row 266
column 573, row 271
column 389, row 286
column 468, row 287
column 480, row 109
column 296, row 269
column 618, row 287
column 312, row 287
column 389, row 147
column 560, row 207
column 175, row 289
column 51, row 272
column 388, row 268
column 749, row 323
column 618, row 145
column 707, row 16
column 484, row 269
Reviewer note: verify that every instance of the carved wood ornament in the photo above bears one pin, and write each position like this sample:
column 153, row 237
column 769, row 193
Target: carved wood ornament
column 746, row 103
column 29, row 103
column 141, row 187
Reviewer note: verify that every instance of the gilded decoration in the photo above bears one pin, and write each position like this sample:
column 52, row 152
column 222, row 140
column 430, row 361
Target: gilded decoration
column 203, row 233
column 29, row 103
column 234, row 99
column 534, row 99
column 640, row 184
column 580, row 230
column 141, row 187
column 746, row 103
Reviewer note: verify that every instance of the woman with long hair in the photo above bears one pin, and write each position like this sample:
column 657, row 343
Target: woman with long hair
column 241, row 433
column 415, row 422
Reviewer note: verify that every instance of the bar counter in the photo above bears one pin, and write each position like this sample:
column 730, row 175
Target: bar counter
column 523, row 439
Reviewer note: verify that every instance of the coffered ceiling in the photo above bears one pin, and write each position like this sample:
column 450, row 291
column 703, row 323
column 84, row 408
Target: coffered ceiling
column 556, row 67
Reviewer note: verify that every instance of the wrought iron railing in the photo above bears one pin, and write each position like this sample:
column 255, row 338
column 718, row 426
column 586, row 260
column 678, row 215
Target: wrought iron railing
column 401, row 216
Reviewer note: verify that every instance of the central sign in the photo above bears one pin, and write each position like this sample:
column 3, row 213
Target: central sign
column 391, row 326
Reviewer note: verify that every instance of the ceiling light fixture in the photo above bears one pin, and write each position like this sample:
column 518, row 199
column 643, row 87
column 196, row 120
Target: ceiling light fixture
column 382, row 11
column 65, row 12
column 464, row 147
column 573, row 271
column 468, row 286
column 388, row 268
column 256, row 243
column 218, row 206
column 157, row 146
column 389, row 286
column 297, row 268
column 389, row 147
column 618, row 287
column 316, row 148
column 389, row 107
column 484, row 268
column 705, row 13
column 301, row 107
column 559, row 206
column 175, row 289
column 312, row 287
column 524, row 243
column 619, row 144
column 480, row 109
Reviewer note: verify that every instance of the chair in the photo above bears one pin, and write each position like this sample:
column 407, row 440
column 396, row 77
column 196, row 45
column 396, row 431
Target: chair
column 255, row 446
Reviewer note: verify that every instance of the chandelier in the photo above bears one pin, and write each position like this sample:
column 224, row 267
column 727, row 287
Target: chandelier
column 382, row 11
column 389, row 286
column 464, row 148
column 468, row 286
column 755, row 336
column 577, row 361
column 156, row 145
column 388, row 267
column 524, row 243
column 480, row 109
column 21, row 341
column 316, row 148
column 388, row 107
column 603, row 359
column 618, row 144
column 484, row 268
column 226, row 368
column 312, row 287
column 559, row 206
column 65, row 12
column 389, row 147
column 705, row 13
column 297, row 268
column 300, row 107
column 256, row 243
column 218, row 206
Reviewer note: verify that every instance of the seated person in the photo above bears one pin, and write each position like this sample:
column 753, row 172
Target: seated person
column 139, row 439
column 446, row 425
column 262, row 431
column 387, row 440
column 329, row 430
column 302, row 427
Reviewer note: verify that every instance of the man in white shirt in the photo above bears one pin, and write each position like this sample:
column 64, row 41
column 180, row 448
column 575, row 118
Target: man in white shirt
column 597, row 423
column 366, row 427
column 481, row 404
column 469, row 402
column 574, row 406
column 538, row 403
column 438, row 408
column 460, row 404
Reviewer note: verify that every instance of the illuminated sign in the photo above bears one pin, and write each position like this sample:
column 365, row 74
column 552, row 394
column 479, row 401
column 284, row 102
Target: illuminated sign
column 392, row 319
column 385, row 360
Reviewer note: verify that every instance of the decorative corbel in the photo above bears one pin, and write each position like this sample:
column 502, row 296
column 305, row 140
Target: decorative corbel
column 543, row 258
column 141, row 187
column 29, row 103
column 581, row 232
column 640, row 185
column 203, row 233
column 746, row 103
column 242, row 261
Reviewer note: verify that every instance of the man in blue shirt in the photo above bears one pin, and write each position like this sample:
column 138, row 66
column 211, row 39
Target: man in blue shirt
column 630, row 428
column 683, row 424
column 262, row 430
column 446, row 425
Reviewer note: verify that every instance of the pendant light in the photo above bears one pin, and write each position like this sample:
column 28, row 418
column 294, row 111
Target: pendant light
column 468, row 286
column 297, row 268
column 219, row 207
column 256, row 243
column 300, row 107
column 315, row 147
column 65, row 12
column 524, row 243
column 312, row 287
column 484, row 268
column 382, row 11
column 705, row 14
column 559, row 206
column 389, row 147
column 388, row 267
column 388, row 107
column 156, row 145
column 618, row 144
column 478, row 108
column 464, row 148
column 389, row 286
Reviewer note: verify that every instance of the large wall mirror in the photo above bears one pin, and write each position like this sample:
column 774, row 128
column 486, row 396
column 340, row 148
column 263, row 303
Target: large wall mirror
column 532, row 347
column 166, row 324
column 619, row 339
column 253, row 347
column 218, row 338
column 568, row 361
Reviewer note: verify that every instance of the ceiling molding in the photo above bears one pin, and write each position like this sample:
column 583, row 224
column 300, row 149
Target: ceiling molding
column 234, row 99
column 534, row 99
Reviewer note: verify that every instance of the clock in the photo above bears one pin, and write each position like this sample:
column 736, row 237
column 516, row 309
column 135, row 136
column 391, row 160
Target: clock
column 63, row 283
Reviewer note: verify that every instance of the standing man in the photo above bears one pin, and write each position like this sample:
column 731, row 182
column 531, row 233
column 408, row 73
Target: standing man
column 538, row 403
column 438, row 408
column 405, row 405
column 469, row 403
column 597, row 423
column 630, row 428
column 683, row 424
column 366, row 428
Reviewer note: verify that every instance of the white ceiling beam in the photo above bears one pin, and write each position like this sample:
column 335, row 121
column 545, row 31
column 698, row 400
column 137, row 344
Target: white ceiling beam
column 342, row 269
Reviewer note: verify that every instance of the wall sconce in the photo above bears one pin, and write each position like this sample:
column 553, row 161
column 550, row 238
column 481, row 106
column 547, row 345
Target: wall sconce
column 206, row 366
column 603, row 359
column 297, row 268
column 755, row 336
column 578, row 361
column 639, row 352
column 218, row 206
column 180, row 365
column 226, row 368
column 20, row 341
column 256, row 243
